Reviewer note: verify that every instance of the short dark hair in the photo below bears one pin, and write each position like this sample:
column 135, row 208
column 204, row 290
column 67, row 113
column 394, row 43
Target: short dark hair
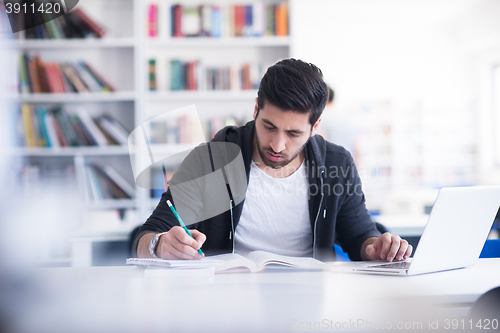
column 294, row 85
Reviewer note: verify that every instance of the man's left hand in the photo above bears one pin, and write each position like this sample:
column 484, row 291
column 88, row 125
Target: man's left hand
column 388, row 247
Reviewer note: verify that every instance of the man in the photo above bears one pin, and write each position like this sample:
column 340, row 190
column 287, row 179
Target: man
column 338, row 125
column 282, row 157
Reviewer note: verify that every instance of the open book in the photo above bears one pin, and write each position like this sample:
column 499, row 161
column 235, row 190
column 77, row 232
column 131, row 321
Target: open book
column 256, row 261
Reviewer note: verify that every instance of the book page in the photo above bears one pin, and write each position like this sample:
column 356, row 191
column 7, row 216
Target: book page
column 233, row 260
column 262, row 258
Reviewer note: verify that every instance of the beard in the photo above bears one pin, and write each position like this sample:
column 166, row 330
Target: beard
column 286, row 159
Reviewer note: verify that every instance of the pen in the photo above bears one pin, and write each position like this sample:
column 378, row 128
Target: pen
column 182, row 223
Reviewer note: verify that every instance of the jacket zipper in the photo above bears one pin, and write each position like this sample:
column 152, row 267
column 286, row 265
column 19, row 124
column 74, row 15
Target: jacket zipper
column 231, row 234
column 317, row 215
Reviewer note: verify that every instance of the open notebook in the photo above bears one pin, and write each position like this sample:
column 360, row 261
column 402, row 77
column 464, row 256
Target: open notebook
column 255, row 261
column 163, row 263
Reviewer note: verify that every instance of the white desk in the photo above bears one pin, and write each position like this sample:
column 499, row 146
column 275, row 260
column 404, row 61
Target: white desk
column 120, row 299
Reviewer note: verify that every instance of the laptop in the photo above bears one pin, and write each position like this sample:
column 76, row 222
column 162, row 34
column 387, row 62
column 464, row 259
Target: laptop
column 454, row 235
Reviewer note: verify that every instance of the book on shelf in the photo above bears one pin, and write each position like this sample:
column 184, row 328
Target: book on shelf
column 153, row 20
column 106, row 183
column 76, row 23
column 152, row 74
column 255, row 19
column 97, row 29
column 38, row 76
column 182, row 130
column 194, row 75
column 113, row 129
column 255, row 261
column 91, row 128
column 57, row 127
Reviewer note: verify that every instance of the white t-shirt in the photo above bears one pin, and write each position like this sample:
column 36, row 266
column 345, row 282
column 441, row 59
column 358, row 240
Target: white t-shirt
column 275, row 215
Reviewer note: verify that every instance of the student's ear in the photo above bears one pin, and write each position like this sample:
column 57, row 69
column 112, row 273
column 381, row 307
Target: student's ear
column 256, row 108
column 315, row 127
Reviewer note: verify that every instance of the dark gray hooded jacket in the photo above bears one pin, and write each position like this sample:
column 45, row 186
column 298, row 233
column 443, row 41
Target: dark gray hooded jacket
column 337, row 208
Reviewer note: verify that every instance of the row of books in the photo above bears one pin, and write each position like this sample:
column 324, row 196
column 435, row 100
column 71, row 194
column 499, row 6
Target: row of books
column 215, row 124
column 217, row 20
column 38, row 76
column 180, row 130
column 104, row 182
column 193, row 75
column 39, row 127
column 74, row 24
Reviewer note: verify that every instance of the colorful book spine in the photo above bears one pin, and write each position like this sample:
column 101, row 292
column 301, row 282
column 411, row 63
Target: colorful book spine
column 41, row 114
column 78, row 130
column 36, row 76
column 24, row 87
column 120, row 181
column 91, row 127
column 152, row 74
column 90, row 82
column 88, row 135
column 96, row 28
column 40, row 127
column 195, row 76
column 230, row 20
column 270, row 16
column 191, row 22
column 59, row 133
column 73, row 78
column 51, row 132
column 44, row 83
column 206, row 20
column 178, row 14
column 106, row 84
column 28, row 125
column 153, row 20
column 95, row 187
column 248, row 21
column 114, row 129
column 66, row 128
column 102, row 186
column 35, row 82
column 282, row 19
column 74, row 24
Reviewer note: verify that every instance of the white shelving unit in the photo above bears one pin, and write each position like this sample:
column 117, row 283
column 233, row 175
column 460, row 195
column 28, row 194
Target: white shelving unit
column 413, row 147
column 122, row 56
column 40, row 44
column 120, row 96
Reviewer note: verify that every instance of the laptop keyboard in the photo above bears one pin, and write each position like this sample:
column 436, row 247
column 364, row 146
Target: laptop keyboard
column 398, row 265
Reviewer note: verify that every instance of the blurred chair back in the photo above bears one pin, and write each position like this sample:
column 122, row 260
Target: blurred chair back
column 491, row 249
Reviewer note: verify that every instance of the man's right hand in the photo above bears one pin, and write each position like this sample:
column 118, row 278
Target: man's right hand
column 176, row 244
